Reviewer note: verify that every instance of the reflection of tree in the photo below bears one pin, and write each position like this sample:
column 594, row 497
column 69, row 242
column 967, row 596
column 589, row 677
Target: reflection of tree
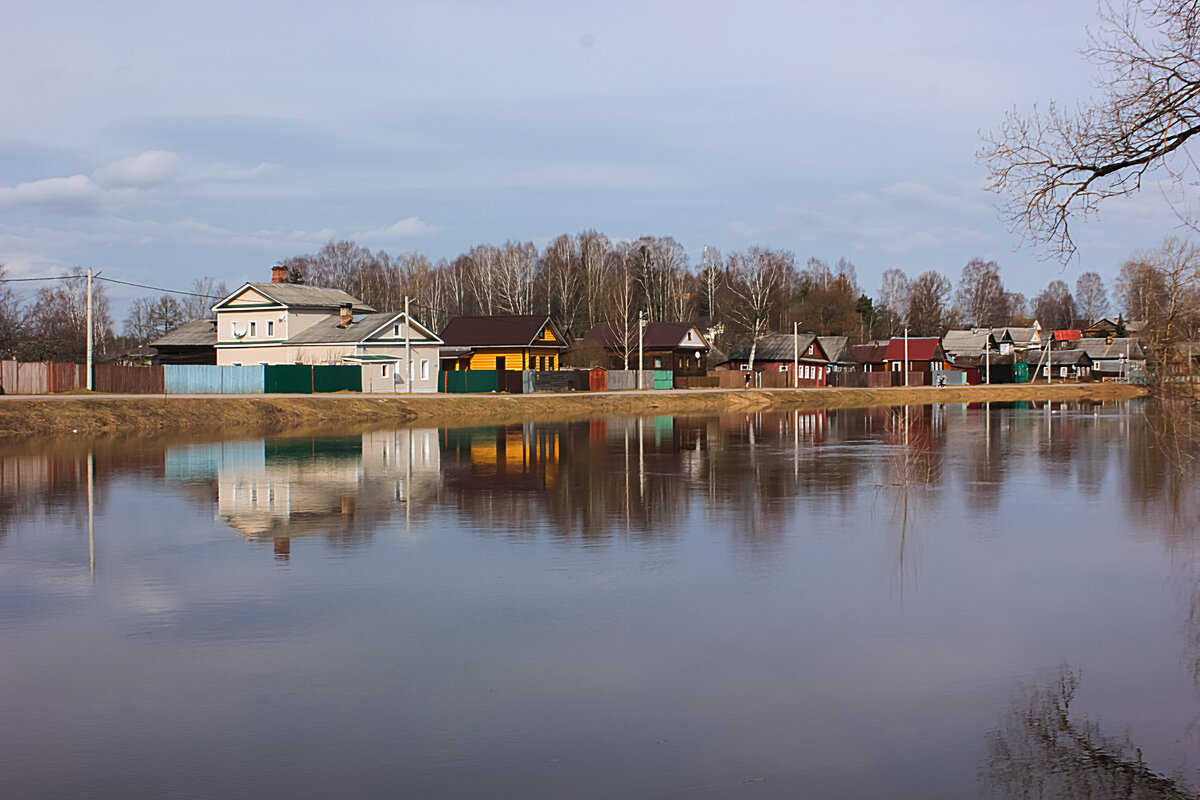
column 1040, row 751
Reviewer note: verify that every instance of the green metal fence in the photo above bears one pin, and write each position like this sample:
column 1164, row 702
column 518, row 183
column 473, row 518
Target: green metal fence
column 468, row 381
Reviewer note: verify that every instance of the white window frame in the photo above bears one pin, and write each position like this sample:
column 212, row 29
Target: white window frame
column 424, row 369
column 253, row 330
column 270, row 327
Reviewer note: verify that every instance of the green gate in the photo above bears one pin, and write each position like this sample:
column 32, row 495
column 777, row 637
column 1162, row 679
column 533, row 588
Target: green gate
column 469, row 381
column 337, row 378
column 287, row 379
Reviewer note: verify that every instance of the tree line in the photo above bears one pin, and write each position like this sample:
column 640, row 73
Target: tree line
column 584, row 279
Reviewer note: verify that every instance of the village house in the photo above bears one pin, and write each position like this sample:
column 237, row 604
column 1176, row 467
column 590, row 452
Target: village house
column 914, row 354
column 1065, row 364
column 780, row 352
column 521, row 342
column 967, row 344
column 1114, row 358
column 192, row 342
column 282, row 323
column 676, row 346
column 870, row 357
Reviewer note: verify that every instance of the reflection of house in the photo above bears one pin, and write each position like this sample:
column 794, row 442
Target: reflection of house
column 524, row 342
column 506, row 457
column 677, row 346
column 283, row 323
column 777, row 352
column 193, row 342
column 335, row 486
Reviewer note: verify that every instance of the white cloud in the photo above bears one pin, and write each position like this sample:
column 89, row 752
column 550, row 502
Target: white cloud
column 73, row 192
column 401, row 229
column 151, row 168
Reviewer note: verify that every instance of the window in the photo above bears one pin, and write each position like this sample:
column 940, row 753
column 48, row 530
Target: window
column 396, row 331
column 424, row 369
column 270, row 327
column 384, row 370
column 252, row 333
column 658, row 363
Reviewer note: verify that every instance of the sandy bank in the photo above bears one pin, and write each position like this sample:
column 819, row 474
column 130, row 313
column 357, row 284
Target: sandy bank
column 92, row 415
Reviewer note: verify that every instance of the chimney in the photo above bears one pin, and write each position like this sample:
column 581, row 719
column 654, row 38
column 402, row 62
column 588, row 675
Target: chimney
column 279, row 274
column 344, row 315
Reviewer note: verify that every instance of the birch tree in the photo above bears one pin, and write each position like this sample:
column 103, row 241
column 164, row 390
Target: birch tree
column 757, row 278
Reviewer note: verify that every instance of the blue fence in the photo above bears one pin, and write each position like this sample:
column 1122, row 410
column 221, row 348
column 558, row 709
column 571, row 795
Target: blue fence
column 209, row 379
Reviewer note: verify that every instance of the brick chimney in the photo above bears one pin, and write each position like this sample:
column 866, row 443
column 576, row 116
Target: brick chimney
column 344, row 315
column 279, row 274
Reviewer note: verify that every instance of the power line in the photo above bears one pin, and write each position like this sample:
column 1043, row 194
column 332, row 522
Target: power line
column 154, row 288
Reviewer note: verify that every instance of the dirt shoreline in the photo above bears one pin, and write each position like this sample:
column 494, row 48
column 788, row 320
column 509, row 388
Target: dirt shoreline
column 142, row 415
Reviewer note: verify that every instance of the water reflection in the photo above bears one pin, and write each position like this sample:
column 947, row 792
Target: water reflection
column 508, row 611
column 1042, row 749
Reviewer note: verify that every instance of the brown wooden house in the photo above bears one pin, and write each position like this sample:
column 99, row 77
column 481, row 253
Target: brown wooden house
column 676, row 346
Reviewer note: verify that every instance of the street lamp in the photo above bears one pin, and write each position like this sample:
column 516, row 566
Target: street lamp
column 641, row 362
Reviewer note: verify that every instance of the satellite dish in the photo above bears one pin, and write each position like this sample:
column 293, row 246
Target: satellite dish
column 239, row 334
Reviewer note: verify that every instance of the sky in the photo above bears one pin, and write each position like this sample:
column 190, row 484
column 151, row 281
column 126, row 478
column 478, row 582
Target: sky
column 159, row 142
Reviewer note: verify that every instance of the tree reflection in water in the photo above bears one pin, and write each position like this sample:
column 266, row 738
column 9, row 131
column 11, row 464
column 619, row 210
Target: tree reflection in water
column 1041, row 751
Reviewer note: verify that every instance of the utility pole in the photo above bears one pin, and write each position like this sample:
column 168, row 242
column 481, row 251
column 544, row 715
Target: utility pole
column 407, row 345
column 90, row 337
column 795, row 355
column 906, row 356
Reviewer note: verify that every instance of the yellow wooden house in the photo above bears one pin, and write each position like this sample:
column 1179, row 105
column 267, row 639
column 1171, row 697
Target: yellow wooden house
column 530, row 341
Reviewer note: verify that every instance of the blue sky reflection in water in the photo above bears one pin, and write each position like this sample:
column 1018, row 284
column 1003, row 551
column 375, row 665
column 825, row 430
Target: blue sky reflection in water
column 822, row 604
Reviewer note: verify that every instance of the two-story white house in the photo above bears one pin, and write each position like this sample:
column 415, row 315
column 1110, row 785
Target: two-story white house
column 284, row 323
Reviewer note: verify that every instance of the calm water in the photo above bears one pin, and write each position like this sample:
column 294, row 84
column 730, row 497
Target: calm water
column 944, row 603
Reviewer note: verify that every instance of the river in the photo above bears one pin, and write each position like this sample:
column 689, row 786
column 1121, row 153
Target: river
column 943, row 601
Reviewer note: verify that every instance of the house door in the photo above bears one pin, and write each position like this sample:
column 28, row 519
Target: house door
column 500, row 363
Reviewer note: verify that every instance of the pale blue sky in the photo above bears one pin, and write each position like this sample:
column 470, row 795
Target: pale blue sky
column 160, row 141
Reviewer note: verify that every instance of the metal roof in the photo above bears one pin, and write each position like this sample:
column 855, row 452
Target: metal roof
column 778, row 347
column 330, row 331
column 197, row 333
column 1100, row 348
column 295, row 295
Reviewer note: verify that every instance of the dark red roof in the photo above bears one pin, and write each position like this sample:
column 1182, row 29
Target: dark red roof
column 919, row 349
column 868, row 353
column 514, row 331
column 1068, row 336
column 656, row 336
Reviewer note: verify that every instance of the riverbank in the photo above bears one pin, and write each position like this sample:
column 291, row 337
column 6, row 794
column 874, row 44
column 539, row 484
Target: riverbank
column 143, row 415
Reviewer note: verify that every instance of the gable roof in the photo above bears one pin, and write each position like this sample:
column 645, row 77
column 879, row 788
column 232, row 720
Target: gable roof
column 868, row 353
column 362, row 328
column 1100, row 349
column 967, row 342
column 197, row 333
column 515, row 331
column 655, row 336
column 925, row 348
column 296, row 295
column 778, row 347
column 1059, row 358
column 1069, row 335
column 837, row 348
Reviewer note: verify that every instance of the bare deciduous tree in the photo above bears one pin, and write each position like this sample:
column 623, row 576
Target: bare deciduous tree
column 928, row 304
column 757, row 279
column 1050, row 167
column 1055, row 306
column 1091, row 298
column 981, row 298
